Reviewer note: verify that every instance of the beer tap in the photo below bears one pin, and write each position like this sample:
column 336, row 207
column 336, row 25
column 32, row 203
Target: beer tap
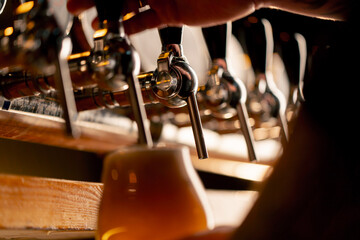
column 278, row 95
column 175, row 82
column 39, row 43
column 116, row 63
column 266, row 101
column 294, row 54
column 113, row 65
column 223, row 92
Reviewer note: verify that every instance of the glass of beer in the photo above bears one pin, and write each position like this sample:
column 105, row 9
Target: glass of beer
column 151, row 193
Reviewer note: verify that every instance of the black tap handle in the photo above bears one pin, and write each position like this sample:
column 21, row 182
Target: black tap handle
column 109, row 10
column 251, row 33
column 291, row 56
column 170, row 35
column 216, row 40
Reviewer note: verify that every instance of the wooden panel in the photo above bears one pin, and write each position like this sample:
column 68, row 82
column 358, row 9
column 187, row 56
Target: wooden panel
column 48, row 204
column 45, row 234
column 95, row 137
column 102, row 139
column 44, row 208
column 47, row 130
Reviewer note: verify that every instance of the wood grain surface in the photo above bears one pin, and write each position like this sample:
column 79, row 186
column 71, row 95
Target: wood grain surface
column 45, row 208
column 49, row 205
column 47, row 130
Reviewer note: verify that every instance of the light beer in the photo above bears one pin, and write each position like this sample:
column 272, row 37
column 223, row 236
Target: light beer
column 151, row 194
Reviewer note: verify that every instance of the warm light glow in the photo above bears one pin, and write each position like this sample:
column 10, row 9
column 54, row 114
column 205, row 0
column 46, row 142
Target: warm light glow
column 30, row 25
column 252, row 122
column 261, row 133
column 132, row 177
column 255, row 106
column 111, row 232
column 274, row 132
column 182, row 118
column 25, row 7
column 128, row 16
column 201, row 88
column 266, row 132
column 8, row 31
column 100, row 33
column 243, row 170
column 144, row 75
column 103, row 63
column 289, row 115
column 79, row 55
column 247, row 61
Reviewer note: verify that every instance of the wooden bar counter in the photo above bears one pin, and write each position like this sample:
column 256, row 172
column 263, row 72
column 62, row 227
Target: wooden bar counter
column 45, row 208
column 41, row 204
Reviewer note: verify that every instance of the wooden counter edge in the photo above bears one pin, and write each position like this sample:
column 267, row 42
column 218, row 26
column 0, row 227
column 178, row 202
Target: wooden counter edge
column 47, row 208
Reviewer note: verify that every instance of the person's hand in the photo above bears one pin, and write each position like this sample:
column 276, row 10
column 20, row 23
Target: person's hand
column 176, row 12
column 218, row 233
column 211, row 12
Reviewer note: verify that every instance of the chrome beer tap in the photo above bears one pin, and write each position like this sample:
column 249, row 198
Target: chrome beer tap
column 108, row 73
column 266, row 103
column 39, row 44
column 294, row 54
column 116, row 63
column 224, row 94
column 271, row 85
column 175, row 83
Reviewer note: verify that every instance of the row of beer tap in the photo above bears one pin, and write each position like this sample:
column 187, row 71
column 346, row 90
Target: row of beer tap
column 37, row 58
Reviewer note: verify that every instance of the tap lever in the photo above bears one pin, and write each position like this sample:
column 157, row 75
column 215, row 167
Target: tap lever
column 246, row 129
column 220, row 79
column 276, row 92
column 127, row 62
column 176, row 83
column 236, row 98
column 64, row 88
column 238, row 102
column 139, row 112
column 197, row 126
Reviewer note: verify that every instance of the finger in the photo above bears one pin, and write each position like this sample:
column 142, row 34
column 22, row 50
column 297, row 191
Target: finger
column 144, row 20
column 78, row 6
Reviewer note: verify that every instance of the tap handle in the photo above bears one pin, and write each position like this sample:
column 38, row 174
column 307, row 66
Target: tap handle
column 291, row 57
column 246, row 129
column 197, row 126
column 238, row 102
column 216, row 40
column 137, row 105
column 171, row 35
column 255, row 42
column 109, row 10
column 64, row 88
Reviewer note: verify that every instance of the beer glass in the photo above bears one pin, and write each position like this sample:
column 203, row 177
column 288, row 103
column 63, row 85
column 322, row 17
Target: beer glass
column 151, row 193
